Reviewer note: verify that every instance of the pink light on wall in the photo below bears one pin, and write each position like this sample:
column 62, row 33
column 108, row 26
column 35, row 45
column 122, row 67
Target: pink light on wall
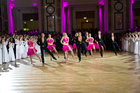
column 100, row 19
column 10, row 17
column 68, row 20
column 34, row 4
column 131, row 13
column 64, row 4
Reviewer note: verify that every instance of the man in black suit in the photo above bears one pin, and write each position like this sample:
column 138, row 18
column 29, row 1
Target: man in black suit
column 114, row 43
column 80, row 44
column 100, row 42
column 43, row 46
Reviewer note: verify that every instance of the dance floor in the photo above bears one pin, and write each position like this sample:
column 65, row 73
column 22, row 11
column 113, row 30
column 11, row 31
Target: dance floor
column 110, row 74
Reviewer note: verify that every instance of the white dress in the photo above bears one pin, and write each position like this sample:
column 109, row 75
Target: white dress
column 0, row 54
column 18, row 55
column 26, row 48
column 126, row 44
column 5, row 57
column 136, row 45
column 22, row 49
column 132, row 45
column 129, row 44
column 11, row 52
column 139, row 46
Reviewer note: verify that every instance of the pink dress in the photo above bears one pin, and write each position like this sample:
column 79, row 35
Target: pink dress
column 30, row 49
column 50, row 45
column 65, row 45
column 97, row 46
column 74, row 46
column 91, row 44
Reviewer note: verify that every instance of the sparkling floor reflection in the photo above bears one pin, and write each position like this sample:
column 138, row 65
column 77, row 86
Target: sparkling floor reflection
column 110, row 74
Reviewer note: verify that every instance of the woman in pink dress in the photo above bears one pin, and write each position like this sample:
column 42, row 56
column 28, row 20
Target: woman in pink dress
column 74, row 44
column 97, row 46
column 66, row 46
column 51, row 46
column 32, row 50
column 91, row 44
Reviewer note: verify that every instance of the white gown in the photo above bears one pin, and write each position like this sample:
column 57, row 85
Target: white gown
column 22, row 49
column 139, row 46
column 132, row 45
column 129, row 44
column 136, row 46
column 0, row 54
column 5, row 57
column 11, row 52
column 18, row 55
column 126, row 44
column 26, row 48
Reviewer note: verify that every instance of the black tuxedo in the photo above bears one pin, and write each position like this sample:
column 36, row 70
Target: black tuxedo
column 43, row 46
column 100, row 42
column 114, row 44
column 79, row 46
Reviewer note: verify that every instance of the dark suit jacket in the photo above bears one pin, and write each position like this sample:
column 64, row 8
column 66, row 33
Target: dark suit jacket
column 13, row 40
column 114, row 39
column 99, row 40
column 77, row 42
column 39, row 42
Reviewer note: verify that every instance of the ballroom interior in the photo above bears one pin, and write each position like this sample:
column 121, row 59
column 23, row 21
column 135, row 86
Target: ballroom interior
column 108, row 74
column 67, row 15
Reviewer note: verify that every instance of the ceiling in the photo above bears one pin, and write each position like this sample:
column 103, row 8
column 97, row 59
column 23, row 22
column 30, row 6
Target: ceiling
column 75, row 2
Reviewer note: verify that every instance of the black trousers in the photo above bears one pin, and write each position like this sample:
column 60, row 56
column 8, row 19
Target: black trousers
column 79, row 46
column 114, row 45
column 14, row 50
column 83, row 50
column 48, row 51
column 101, row 51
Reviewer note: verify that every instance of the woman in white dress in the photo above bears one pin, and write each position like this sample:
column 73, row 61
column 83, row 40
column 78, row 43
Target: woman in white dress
column 129, row 42
column 18, row 55
column 139, row 43
column 5, row 57
column 0, row 53
column 37, row 46
column 136, row 44
column 126, row 42
column 11, row 51
column 21, row 46
column 26, row 46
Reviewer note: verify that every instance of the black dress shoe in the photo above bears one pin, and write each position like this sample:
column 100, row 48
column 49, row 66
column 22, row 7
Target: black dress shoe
column 86, row 55
column 64, row 57
column 79, row 60
column 54, row 58
column 116, row 54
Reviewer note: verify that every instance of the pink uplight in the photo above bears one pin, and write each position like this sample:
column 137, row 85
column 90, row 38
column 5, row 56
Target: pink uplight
column 34, row 4
column 66, row 4
column 100, row 19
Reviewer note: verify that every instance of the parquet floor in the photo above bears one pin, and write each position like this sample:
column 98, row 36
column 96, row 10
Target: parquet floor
column 110, row 74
